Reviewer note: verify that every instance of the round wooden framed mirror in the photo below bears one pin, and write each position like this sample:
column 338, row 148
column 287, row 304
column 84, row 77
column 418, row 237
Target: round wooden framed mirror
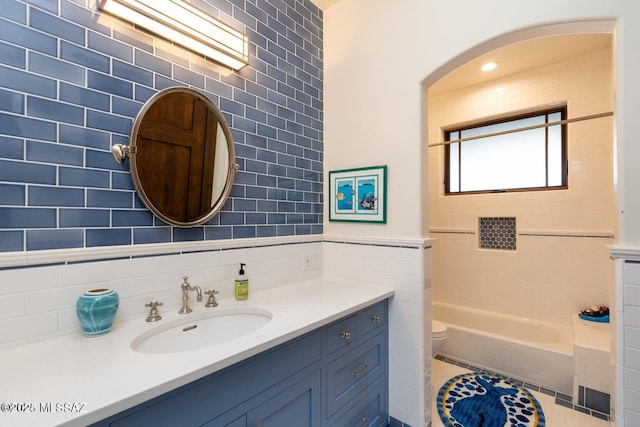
column 182, row 156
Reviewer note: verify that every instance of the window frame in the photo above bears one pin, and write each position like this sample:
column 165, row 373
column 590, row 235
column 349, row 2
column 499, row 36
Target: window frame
column 504, row 119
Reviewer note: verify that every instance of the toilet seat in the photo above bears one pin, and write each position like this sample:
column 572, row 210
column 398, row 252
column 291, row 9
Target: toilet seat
column 438, row 329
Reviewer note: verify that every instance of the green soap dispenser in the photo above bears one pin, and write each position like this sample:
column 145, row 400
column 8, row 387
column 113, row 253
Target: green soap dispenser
column 242, row 285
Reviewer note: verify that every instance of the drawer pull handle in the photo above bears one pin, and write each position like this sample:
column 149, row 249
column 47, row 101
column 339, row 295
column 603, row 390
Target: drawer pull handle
column 345, row 334
column 375, row 318
column 360, row 371
column 365, row 422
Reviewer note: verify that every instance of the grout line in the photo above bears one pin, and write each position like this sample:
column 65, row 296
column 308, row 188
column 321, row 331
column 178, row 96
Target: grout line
column 560, row 398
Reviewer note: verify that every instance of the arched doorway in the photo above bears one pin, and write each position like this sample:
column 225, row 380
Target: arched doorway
column 495, row 266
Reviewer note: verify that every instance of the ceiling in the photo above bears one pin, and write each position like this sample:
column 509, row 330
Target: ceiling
column 324, row 4
column 521, row 56
column 513, row 58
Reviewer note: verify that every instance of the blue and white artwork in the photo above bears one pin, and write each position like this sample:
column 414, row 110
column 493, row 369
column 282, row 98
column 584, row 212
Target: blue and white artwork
column 367, row 194
column 358, row 194
column 345, row 195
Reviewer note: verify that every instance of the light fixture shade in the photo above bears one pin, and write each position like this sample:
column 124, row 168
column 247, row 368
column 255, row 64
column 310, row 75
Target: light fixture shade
column 187, row 26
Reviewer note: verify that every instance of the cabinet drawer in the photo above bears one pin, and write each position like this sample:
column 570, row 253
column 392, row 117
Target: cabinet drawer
column 369, row 411
column 373, row 318
column 350, row 374
column 343, row 333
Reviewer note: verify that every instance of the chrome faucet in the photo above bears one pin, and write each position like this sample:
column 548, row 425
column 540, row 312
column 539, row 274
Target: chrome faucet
column 186, row 287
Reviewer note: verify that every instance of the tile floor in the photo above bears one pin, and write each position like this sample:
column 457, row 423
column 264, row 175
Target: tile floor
column 555, row 415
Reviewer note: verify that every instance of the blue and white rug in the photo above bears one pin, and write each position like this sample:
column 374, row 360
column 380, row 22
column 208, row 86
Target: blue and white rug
column 487, row 400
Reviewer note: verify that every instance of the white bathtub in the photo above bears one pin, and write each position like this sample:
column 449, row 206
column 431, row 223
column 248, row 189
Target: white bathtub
column 536, row 352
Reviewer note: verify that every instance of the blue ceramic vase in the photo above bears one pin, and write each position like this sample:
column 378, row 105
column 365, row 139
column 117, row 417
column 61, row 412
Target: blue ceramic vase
column 96, row 310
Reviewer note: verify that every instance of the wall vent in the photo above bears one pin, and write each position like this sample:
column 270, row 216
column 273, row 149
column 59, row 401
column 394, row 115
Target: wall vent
column 497, row 233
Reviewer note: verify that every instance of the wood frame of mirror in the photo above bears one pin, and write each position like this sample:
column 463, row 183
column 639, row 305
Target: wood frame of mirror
column 172, row 173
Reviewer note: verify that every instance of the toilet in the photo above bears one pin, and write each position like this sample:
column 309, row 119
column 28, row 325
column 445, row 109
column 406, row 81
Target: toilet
column 438, row 336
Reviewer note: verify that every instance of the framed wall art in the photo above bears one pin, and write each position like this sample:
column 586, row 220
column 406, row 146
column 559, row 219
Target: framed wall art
column 358, row 194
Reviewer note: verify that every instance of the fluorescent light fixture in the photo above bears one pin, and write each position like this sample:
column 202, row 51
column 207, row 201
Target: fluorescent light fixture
column 489, row 66
column 187, row 26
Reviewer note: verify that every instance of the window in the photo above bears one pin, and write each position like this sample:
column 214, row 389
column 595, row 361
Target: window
column 516, row 153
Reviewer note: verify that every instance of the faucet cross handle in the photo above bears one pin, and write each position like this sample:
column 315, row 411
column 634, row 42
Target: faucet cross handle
column 154, row 304
column 154, row 315
column 211, row 302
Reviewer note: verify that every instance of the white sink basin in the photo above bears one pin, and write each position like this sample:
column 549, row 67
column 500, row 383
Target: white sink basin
column 198, row 330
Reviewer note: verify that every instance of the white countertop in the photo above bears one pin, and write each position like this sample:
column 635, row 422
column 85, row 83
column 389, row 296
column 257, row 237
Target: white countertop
column 88, row 379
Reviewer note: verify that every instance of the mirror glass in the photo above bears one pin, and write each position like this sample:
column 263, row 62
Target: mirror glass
column 182, row 156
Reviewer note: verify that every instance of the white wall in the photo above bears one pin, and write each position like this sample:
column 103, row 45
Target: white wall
column 377, row 53
column 372, row 107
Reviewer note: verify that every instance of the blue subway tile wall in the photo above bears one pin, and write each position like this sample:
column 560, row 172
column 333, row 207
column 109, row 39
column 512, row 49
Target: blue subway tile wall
column 72, row 80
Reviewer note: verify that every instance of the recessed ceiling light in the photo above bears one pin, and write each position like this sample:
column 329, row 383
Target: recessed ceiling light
column 489, row 66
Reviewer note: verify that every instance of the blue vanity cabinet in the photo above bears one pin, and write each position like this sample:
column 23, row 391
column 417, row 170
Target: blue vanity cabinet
column 324, row 378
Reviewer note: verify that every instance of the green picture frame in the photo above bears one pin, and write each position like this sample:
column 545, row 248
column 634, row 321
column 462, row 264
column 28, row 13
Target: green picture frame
column 358, row 195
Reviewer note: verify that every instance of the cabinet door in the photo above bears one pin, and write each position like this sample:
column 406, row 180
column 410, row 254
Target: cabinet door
column 299, row 406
